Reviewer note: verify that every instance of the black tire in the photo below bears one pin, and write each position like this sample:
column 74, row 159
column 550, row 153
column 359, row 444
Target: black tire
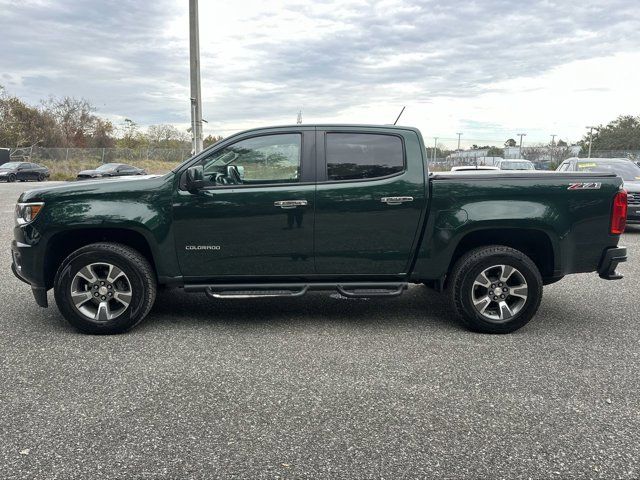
column 462, row 289
column 11, row 178
column 41, row 177
column 138, row 272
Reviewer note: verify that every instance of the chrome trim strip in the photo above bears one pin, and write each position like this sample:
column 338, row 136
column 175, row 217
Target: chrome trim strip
column 290, row 203
column 396, row 200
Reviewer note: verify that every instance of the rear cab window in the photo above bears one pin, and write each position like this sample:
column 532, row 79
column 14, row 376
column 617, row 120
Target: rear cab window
column 362, row 156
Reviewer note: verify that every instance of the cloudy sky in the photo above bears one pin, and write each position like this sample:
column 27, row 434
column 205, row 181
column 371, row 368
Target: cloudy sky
column 487, row 68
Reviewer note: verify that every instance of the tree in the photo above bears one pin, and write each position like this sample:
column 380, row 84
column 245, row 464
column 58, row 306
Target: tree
column 561, row 143
column 22, row 125
column 74, row 117
column 510, row 143
column 495, row 152
column 211, row 139
column 623, row 133
column 130, row 136
column 545, row 155
column 102, row 134
column 166, row 136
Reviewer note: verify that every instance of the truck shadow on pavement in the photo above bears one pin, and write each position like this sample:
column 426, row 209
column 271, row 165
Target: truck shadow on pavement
column 418, row 307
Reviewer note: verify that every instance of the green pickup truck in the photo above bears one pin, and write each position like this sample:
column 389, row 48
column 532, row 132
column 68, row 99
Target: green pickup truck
column 285, row 210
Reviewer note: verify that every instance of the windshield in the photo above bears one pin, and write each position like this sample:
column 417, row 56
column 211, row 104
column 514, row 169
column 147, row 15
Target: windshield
column 511, row 165
column 9, row 166
column 629, row 171
column 107, row 166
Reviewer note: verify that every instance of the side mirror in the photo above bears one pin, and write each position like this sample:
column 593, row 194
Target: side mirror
column 195, row 178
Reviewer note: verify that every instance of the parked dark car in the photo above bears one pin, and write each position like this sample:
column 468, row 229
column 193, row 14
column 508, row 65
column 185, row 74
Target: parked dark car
column 628, row 170
column 111, row 170
column 23, row 171
column 5, row 155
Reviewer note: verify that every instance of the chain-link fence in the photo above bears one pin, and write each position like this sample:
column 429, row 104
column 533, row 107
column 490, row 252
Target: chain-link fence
column 442, row 153
column 109, row 155
column 65, row 163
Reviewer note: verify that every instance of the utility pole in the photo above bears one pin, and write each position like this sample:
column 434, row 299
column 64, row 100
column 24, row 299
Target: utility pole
column 520, row 149
column 459, row 135
column 553, row 144
column 435, row 148
column 590, row 137
column 196, row 96
column 299, row 120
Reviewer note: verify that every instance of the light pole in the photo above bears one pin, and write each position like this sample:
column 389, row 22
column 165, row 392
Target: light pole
column 520, row 148
column 194, row 67
column 459, row 135
column 591, row 128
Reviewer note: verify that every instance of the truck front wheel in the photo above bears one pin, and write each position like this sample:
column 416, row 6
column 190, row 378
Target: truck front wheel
column 495, row 289
column 105, row 288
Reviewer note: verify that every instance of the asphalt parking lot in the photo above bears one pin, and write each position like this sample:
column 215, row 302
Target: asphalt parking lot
column 323, row 387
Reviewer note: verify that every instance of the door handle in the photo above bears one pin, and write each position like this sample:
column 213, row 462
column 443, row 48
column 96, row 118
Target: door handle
column 286, row 204
column 396, row 200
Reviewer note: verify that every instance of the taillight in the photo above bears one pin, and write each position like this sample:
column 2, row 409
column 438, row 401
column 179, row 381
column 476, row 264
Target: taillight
column 619, row 213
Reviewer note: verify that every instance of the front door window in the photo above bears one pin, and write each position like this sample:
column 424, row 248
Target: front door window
column 265, row 160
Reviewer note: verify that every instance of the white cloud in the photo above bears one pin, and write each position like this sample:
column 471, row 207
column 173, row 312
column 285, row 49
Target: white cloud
column 488, row 69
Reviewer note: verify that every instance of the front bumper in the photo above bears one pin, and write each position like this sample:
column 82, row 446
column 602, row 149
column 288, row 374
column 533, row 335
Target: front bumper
column 610, row 260
column 21, row 259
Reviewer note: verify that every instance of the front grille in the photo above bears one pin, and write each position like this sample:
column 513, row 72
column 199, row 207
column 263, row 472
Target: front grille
column 633, row 198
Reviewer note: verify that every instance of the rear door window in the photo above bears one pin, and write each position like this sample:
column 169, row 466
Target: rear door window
column 358, row 156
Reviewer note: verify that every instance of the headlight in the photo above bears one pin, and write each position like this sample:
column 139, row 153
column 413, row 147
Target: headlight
column 27, row 212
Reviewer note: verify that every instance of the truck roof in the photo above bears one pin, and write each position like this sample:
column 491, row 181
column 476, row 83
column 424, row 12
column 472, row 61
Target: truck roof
column 332, row 125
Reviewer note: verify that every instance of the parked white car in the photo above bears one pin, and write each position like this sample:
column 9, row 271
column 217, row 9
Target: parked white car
column 515, row 164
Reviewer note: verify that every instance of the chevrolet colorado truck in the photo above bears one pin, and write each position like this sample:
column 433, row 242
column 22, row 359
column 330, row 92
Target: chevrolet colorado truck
column 285, row 210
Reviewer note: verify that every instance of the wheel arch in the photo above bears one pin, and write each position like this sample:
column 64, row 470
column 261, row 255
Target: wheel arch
column 536, row 244
column 62, row 244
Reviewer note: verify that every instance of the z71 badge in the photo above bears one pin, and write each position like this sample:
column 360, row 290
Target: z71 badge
column 584, row 186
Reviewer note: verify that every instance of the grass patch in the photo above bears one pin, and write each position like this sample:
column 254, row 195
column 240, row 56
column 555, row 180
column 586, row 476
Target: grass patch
column 68, row 169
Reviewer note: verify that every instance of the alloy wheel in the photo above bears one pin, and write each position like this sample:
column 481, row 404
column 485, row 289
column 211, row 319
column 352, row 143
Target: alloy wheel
column 101, row 291
column 499, row 293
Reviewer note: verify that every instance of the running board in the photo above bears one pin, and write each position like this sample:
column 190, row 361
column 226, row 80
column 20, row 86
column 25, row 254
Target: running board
column 269, row 290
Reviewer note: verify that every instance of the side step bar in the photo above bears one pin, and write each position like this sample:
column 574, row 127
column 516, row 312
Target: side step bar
column 268, row 290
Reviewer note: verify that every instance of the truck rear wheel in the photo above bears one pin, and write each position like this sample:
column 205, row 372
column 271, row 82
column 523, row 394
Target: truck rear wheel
column 495, row 289
column 105, row 288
